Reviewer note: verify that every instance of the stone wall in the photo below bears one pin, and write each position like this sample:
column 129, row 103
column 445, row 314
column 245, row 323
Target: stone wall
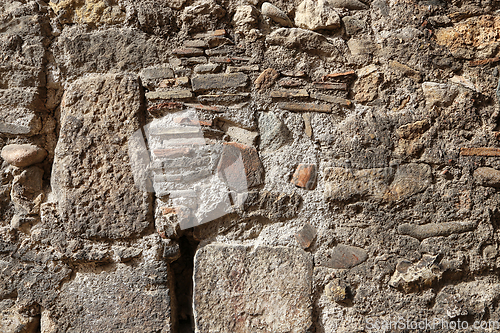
column 246, row 166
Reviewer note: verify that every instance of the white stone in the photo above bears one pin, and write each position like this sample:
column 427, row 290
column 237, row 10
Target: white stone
column 316, row 15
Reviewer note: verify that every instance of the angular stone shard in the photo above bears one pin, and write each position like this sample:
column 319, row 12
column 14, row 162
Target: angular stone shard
column 305, row 176
column 92, row 177
column 440, row 94
column 305, row 235
column 273, row 132
column 23, row 155
column 276, row 14
column 435, row 229
column 252, row 175
column 330, row 86
column 218, row 81
column 409, row 179
column 120, row 298
column 317, row 15
column 413, row 277
column 345, row 257
column 268, row 289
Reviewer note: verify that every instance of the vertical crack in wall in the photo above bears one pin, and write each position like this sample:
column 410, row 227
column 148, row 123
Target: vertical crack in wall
column 183, row 275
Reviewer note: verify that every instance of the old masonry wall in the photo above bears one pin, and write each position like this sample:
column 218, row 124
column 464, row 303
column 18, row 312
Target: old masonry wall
column 247, row 166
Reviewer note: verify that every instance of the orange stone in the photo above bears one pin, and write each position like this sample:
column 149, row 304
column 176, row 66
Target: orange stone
column 267, row 78
column 305, row 176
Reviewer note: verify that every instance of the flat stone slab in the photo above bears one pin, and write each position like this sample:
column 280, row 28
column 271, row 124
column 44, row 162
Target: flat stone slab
column 244, row 289
column 121, row 298
column 306, row 107
column 345, row 257
column 92, row 178
column 172, row 94
column 23, row 155
column 219, row 81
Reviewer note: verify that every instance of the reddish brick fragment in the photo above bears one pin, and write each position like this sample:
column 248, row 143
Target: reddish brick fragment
column 192, row 122
column 166, row 106
column 168, row 210
column 338, row 75
column 305, row 176
column 240, row 166
column 484, row 61
column 305, row 235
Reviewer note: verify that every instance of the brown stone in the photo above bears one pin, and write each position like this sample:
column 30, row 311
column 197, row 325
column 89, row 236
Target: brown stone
column 218, row 81
column 220, row 60
column 266, row 79
column 413, row 130
column 305, row 176
column 291, row 83
column 435, row 229
column 414, row 74
column 289, row 93
column 306, row 107
column 230, row 171
column 343, row 75
column 294, row 73
column 188, row 52
column 337, row 290
column 345, row 257
column 305, row 235
column 483, row 62
column 165, row 106
column 23, row 155
column 196, row 43
column 483, row 151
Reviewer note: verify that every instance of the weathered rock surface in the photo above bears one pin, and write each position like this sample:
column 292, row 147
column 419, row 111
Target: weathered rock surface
column 435, row 229
column 344, row 257
column 274, row 132
column 116, row 298
column 303, row 39
column 276, row 14
column 23, row 155
column 268, row 288
column 316, row 15
column 91, row 165
column 487, row 176
column 413, row 277
column 439, row 93
column 218, row 81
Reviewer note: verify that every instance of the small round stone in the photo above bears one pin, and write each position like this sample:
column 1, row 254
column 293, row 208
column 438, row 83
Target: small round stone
column 23, row 155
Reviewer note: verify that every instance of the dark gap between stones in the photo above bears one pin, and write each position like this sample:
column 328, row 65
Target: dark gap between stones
column 182, row 269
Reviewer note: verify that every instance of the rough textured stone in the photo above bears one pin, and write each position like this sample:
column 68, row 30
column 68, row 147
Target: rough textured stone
column 78, row 53
column 349, row 4
column 27, row 194
column 91, row 166
column 409, row 179
column 218, row 81
column 482, row 151
column 439, row 93
column 316, row 15
column 266, row 79
column 23, row 155
column 305, row 235
column 344, row 257
column 276, row 14
column 273, row 132
column 117, row 298
column 303, row 39
column 305, row 176
column 344, row 184
column 435, row 229
column 268, row 287
column 253, row 173
column 246, row 17
column 242, row 135
column 413, row 277
column 487, row 176
column 337, row 290
column 208, row 68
